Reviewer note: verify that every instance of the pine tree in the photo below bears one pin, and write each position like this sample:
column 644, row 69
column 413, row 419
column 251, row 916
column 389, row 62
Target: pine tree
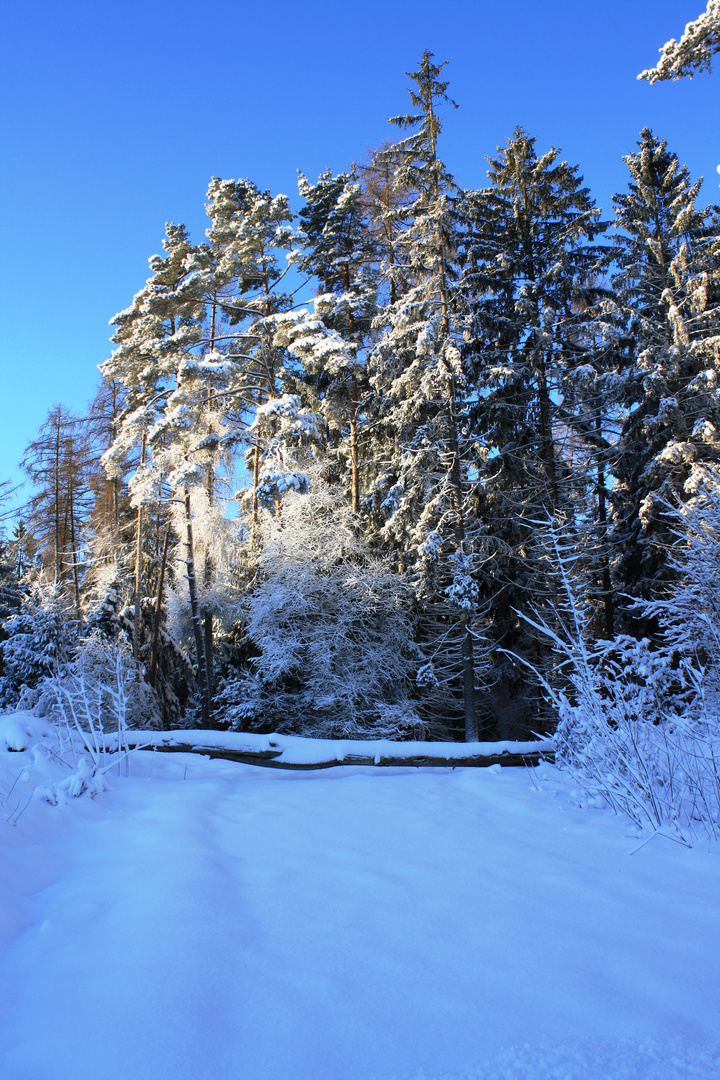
column 196, row 352
column 154, row 336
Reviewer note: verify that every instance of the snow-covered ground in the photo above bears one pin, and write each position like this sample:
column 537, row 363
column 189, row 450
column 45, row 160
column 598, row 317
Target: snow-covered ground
column 206, row 920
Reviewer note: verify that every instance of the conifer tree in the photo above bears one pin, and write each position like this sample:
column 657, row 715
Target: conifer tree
column 669, row 283
column 337, row 249
column 195, row 353
column 530, row 283
column 420, row 391
column 58, row 463
column 154, row 336
column 262, row 235
column 384, row 193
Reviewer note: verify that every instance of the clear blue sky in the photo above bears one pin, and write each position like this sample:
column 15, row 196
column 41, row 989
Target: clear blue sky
column 116, row 115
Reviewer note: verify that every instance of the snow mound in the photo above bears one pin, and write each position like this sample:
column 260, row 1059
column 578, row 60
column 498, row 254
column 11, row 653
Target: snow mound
column 20, row 729
column 597, row 1059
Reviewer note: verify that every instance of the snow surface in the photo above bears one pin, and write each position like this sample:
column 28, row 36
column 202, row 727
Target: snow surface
column 206, row 920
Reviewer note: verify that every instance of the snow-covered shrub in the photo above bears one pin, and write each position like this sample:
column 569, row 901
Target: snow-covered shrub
column 636, row 731
column 95, row 697
column 90, row 703
column 690, row 614
column 638, row 721
column 332, row 629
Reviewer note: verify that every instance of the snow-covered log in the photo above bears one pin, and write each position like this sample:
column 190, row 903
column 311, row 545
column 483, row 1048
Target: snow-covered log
column 296, row 752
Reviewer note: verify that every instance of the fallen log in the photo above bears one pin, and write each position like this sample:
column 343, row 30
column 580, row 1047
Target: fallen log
column 274, row 758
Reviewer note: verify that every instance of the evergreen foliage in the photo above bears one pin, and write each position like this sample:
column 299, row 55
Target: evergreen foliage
column 530, row 286
column 41, row 641
column 668, row 280
column 693, row 52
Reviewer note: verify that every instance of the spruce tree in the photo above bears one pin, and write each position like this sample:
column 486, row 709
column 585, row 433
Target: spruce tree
column 531, row 269
column 196, row 353
column 337, row 249
column 155, row 335
column 668, row 282
column 420, row 396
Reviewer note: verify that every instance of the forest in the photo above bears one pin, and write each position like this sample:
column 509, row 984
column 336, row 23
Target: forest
column 360, row 637
column 469, row 490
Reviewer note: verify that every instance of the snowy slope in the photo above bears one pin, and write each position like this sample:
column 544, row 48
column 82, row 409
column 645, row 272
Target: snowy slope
column 207, row 920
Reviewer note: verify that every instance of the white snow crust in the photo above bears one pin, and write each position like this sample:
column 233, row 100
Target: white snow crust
column 207, row 920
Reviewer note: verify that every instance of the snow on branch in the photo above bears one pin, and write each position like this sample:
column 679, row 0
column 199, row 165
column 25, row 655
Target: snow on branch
column 694, row 50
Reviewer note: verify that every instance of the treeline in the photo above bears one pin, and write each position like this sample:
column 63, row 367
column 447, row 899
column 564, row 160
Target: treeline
column 342, row 517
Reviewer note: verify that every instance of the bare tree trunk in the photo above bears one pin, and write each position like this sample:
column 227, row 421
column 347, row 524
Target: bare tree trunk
column 57, row 502
column 354, row 446
column 207, row 618
column 605, row 554
column 196, row 620
column 76, row 579
column 158, row 612
column 137, row 626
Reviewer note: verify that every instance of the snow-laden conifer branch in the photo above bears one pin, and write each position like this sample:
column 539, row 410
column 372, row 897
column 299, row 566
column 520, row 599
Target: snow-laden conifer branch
column 693, row 52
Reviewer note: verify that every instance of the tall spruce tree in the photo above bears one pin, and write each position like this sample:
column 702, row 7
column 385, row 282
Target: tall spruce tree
column 257, row 235
column 337, row 249
column 420, row 397
column 669, row 284
column 531, row 269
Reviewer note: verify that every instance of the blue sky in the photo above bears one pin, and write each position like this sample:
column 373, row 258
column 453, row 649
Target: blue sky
column 116, row 116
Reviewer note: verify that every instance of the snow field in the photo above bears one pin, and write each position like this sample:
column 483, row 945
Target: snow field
column 205, row 920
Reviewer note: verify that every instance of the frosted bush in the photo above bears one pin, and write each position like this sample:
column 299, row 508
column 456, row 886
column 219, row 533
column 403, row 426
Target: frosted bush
column 332, row 628
column 93, row 700
column 639, row 724
column 636, row 731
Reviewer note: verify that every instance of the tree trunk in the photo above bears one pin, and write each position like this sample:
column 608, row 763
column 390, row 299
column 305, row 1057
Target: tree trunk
column 207, row 618
column 605, row 554
column 466, row 649
column 196, row 621
column 137, row 627
column 57, row 502
column 158, row 610
column 76, row 579
column 354, row 446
